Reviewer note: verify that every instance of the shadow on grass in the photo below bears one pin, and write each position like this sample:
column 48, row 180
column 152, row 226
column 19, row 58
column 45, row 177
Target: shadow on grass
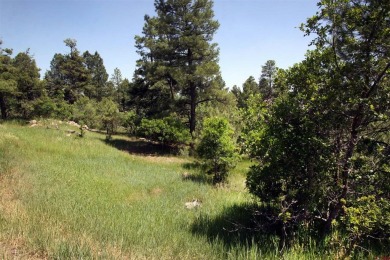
column 143, row 147
column 248, row 226
column 196, row 175
column 192, row 166
column 237, row 226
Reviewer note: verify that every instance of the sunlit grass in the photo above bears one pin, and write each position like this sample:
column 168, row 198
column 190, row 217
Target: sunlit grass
column 68, row 197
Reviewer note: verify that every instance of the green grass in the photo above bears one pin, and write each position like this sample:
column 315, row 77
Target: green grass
column 65, row 197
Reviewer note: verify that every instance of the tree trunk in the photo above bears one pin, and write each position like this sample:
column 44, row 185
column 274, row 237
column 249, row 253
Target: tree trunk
column 192, row 117
column 3, row 106
column 193, row 111
column 336, row 208
column 171, row 88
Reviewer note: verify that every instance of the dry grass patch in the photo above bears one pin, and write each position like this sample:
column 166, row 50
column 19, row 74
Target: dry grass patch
column 156, row 191
column 10, row 205
column 12, row 244
column 163, row 159
column 17, row 249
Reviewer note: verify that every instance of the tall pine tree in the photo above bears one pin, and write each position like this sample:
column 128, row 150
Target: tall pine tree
column 178, row 64
column 68, row 78
column 98, row 87
column 29, row 87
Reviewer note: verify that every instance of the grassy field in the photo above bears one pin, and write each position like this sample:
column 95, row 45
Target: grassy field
column 65, row 197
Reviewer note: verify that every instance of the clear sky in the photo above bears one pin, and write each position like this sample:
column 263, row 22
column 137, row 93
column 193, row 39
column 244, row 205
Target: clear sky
column 251, row 31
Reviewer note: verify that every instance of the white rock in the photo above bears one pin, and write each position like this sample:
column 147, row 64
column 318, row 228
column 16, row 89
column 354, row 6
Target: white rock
column 193, row 204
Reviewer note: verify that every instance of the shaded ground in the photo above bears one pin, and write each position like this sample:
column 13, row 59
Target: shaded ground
column 194, row 173
column 234, row 226
column 144, row 147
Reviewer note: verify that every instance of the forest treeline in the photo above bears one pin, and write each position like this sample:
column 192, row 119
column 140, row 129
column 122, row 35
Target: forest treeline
column 318, row 132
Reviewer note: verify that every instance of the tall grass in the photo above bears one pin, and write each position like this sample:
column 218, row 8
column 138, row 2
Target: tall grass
column 65, row 197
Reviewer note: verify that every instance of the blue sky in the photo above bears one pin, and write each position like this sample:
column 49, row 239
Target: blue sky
column 251, row 31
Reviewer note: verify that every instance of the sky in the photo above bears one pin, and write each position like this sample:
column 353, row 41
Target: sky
column 251, row 32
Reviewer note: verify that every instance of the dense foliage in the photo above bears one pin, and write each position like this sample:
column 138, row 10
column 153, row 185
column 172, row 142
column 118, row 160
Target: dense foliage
column 217, row 149
column 20, row 88
column 324, row 153
column 169, row 130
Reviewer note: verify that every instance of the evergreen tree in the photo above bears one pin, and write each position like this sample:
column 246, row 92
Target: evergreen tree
column 97, row 88
column 8, row 85
column 121, row 88
column 249, row 88
column 29, row 87
column 68, row 78
column 178, row 62
column 266, row 83
column 122, row 94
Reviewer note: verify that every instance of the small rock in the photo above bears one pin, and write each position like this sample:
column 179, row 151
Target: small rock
column 33, row 123
column 72, row 123
column 193, row 204
column 185, row 176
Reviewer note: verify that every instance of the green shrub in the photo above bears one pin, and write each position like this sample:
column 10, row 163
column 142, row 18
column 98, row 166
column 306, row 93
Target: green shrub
column 169, row 130
column 367, row 217
column 47, row 108
column 44, row 107
column 62, row 110
column 84, row 110
column 128, row 121
column 217, row 148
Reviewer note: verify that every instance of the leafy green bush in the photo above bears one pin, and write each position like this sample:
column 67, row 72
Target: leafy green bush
column 44, row 107
column 84, row 110
column 128, row 121
column 368, row 217
column 169, row 130
column 253, row 123
column 217, row 149
column 62, row 110
column 48, row 108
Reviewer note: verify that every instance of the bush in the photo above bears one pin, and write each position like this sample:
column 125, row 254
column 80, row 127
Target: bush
column 84, row 110
column 169, row 130
column 44, row 107
column 217, row 149
column 62, row 110
column 128, row 121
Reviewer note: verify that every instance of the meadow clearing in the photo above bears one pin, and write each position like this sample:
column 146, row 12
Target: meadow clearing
column 66, row 197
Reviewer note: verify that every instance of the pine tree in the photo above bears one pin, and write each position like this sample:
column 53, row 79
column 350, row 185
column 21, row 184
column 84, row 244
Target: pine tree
column 7, row 80
column 178, row 62
column 98, row 87
column 29, row 87
column 68, row 78
column 267, row 78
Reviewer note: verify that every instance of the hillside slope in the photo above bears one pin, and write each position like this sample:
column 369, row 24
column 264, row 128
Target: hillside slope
column 62, row 196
